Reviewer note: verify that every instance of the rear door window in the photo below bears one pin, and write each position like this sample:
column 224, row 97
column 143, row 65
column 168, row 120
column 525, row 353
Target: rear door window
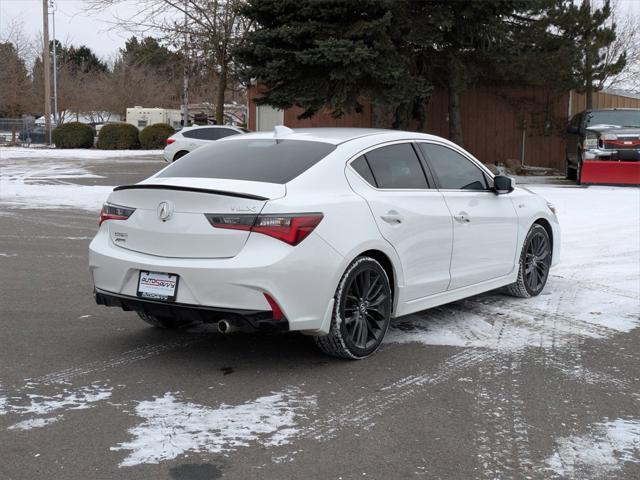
column 361, row 166
column 263, row 160
column 396, row 167
column 453, row 170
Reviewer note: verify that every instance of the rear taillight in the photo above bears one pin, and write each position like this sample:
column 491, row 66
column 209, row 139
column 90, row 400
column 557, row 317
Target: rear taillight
column 170, row 141
column 290, row 228
column 114, row 212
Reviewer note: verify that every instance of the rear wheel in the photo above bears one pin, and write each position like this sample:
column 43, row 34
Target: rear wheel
column 162, row 322
column 362, row 311
column 535, row 262
column 179, row 155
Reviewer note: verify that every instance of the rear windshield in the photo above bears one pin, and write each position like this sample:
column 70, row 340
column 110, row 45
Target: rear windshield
column 271, row 161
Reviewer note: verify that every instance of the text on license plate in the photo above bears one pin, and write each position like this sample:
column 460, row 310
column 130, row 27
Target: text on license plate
column 161, row 286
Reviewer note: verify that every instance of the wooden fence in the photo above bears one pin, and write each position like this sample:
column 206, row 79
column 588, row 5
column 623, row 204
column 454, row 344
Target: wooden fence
column 499, row 123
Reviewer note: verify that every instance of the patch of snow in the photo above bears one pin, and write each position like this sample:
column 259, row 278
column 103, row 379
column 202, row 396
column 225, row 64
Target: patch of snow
column 3, row 405
column 34, row 423
column 599, row 453
column 43, row 184
column 68, row 400
column 8, row 254
column 85, row 153
column 84, row 197
column 172, row 427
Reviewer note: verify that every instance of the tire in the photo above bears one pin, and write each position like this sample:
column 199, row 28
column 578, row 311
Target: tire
column 162, row 322
column 179, row 155
column 534, row 265
column 570, row 172
column 363, row 285
column 579, row 172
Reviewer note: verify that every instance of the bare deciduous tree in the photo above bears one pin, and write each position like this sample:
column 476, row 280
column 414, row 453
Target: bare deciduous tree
column 211, row 26
column 627, row 41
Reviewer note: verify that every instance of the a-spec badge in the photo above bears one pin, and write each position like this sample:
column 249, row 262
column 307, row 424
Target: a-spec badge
column 165, row 210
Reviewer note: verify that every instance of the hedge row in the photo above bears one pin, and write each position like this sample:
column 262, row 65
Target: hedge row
column 73, row 135
column 113, row 136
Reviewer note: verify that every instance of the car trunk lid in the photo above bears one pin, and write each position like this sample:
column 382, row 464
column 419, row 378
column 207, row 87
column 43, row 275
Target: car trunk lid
column 169, row 218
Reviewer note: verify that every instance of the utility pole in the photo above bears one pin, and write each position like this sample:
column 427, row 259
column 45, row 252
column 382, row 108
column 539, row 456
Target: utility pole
column 55, row 66
column 46, row 68
column 185, row 72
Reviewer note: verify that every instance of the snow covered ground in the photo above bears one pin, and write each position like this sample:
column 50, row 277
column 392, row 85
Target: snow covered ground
column 7, row 153
column 47, row 178
column 592, row 296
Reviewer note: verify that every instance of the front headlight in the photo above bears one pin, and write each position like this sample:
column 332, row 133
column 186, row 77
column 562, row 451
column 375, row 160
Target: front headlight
column 590, row 141
column 609, row 136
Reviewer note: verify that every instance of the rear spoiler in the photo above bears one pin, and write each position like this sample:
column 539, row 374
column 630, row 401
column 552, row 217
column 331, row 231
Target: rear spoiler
column 150, row 186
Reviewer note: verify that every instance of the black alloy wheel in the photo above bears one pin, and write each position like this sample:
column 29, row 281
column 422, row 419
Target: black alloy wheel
column 362, row 311
column 535, row 262
column 365, row 309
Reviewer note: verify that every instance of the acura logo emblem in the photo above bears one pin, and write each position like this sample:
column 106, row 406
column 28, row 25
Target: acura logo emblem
column 165, row 210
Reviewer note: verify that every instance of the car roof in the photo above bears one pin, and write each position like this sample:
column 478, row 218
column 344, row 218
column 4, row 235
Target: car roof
column 198, row 127
column 334, row 136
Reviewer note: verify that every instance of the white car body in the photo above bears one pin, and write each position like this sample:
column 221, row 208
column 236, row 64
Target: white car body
column 440, row 245
column 183, row 141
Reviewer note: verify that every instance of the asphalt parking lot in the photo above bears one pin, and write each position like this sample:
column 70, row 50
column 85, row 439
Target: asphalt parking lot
column 487, row 388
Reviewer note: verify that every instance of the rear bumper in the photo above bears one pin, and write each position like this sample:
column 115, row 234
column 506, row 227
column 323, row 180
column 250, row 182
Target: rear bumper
column 302, row 279
column 250, row 320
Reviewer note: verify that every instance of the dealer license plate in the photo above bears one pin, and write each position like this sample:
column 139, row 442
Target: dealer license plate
column 158, row 286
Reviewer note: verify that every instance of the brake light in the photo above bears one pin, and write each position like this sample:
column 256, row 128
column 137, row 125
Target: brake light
column 289, row 228
column 170, row 141
column 114, row 212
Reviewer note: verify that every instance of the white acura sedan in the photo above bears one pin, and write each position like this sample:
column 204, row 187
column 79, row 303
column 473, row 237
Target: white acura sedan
column 331, row 232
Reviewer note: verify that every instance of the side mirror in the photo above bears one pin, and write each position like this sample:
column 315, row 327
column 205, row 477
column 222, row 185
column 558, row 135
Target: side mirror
column 503, row 185
column 573, row 130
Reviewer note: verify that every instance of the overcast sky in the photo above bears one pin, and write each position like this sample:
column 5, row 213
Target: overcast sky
column 76, row 26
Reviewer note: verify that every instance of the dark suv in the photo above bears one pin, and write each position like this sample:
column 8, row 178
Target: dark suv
column 603, row 134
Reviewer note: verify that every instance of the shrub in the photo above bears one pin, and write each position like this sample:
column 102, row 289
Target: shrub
column 155, row 136
column 73, row 135
column 118, row 136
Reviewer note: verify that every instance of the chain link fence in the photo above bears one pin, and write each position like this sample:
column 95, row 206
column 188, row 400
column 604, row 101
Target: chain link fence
column 22, row 131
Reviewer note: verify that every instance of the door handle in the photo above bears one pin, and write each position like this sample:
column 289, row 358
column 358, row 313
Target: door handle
column 392, row 217
column 462, row 217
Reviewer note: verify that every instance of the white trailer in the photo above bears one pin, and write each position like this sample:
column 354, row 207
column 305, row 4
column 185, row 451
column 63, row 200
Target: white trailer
column 141, row 117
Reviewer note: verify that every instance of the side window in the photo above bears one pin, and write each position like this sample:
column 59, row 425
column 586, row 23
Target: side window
column 454, row 171
column 361, row 166
column 226, row 132
column 203, row 134
column 396, row 166
column 208, row 133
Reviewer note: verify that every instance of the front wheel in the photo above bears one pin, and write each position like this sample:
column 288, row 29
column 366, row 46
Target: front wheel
column 362, row 311
column 570, row 172
column 535, row 262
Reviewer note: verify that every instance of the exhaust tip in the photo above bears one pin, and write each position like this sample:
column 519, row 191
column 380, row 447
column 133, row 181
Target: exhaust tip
column 224, row 326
